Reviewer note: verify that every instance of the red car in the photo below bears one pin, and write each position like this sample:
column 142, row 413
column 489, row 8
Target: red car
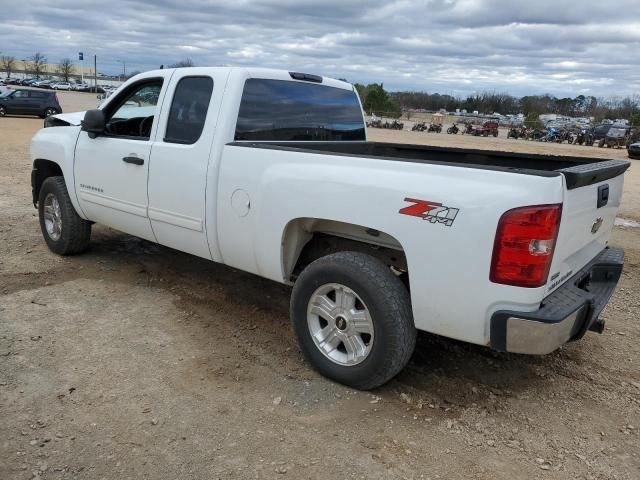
column 487, row 128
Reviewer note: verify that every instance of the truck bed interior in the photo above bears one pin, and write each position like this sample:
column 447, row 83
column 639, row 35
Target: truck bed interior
column 578, row 171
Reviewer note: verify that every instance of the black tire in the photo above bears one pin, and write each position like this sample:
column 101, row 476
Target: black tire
column 49, row 111
column 3, row 111
column 389, row 305
column 75, row 233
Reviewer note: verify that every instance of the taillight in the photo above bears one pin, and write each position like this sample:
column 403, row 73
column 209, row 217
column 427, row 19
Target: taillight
column 524, row 245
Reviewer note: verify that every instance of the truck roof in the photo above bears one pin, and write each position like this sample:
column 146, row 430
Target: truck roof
column 272, row 73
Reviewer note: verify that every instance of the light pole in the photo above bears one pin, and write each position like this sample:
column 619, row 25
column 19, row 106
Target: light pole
column 124, row 69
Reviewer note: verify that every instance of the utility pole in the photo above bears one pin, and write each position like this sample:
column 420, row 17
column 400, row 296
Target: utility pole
column 95, row 73
column 81, row 58
column 124, row 69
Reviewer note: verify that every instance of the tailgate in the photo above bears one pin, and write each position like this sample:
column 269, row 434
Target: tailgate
column 591, row 200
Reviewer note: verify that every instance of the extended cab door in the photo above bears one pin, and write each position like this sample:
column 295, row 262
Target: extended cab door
column 111, row 170
column 180, row 157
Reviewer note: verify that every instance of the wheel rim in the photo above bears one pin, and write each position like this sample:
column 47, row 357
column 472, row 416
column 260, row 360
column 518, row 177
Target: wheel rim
column 49, row 112
column 340, row 324
column 2, row 111
column 52, row 217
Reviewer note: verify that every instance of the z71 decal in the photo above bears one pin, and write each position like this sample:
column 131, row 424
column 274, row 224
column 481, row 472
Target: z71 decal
column 432, row 211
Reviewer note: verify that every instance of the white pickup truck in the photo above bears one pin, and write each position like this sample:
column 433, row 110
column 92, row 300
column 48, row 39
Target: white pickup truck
column 270, row 172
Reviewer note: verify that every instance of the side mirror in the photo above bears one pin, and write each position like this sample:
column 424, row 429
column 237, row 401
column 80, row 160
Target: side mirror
column 93, row 123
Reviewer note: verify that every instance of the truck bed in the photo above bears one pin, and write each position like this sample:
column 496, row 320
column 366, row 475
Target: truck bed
column 578, row 171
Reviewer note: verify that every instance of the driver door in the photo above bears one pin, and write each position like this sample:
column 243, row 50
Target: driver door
column 111, row 170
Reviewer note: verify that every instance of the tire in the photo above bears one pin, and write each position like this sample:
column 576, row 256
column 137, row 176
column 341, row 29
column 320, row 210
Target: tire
column 65, row 232
column 50, row 111
column 3, row 111
column 378, row 293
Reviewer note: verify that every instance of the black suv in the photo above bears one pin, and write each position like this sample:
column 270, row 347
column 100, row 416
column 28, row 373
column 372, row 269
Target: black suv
column 29, row 102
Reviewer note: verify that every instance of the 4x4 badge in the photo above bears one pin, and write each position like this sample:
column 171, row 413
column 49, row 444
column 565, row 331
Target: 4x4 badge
column 431, row 211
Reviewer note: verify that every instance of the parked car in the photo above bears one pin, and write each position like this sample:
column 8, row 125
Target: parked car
column 91, row 88
column 600, row 131
column 634, row 151
column 616, row 137
column 281, row 183
column 41, row 83
column 61, row 86
column 487, row 128
column 28, row 81
column 29, row 102
column 79, row 86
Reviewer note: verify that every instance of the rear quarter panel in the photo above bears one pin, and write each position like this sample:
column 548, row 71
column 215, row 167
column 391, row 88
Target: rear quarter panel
column 448, row 265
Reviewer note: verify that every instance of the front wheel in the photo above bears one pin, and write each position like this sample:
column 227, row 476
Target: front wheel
column 64, row 231
column 3, row 111
column 353, row 319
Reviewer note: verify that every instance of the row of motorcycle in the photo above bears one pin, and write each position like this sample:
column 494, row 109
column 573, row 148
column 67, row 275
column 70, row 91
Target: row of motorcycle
column 581, row 136
column 377, row 123
column 486, row 129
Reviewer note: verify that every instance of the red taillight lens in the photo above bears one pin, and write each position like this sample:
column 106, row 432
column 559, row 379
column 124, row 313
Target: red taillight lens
column 524, row 245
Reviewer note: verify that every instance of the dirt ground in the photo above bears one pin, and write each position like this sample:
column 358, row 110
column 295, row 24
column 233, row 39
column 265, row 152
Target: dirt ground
column 136, row 361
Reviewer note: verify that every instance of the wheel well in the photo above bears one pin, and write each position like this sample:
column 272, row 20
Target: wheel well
column 307, row 239
column 42, row 169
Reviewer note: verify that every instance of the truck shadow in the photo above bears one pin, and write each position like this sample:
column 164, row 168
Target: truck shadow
column 455, row 372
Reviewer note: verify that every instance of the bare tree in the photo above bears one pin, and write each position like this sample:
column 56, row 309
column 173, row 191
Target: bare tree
column 7, row 64
column 65, row 68
column 37, row 63
column 187, row 62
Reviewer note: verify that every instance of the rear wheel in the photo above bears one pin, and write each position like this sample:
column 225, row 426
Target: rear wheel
column 353, row 319
column 3, row 111
column 50, row 111
column 62, row 228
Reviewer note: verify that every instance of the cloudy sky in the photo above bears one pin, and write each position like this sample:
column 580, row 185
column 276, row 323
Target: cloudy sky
column 449, row 46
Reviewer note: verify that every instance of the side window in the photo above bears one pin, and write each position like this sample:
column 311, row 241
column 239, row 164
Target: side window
column 297, row 111
column 21, row 94
column 133, row 113
column 34, row 94
column 189, row 110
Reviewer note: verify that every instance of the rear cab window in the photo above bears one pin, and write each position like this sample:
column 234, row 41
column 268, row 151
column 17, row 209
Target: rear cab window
column 282, row 110
column 189, row 110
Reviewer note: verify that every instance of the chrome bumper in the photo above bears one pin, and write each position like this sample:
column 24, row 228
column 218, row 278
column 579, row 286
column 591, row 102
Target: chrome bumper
column 563, row 316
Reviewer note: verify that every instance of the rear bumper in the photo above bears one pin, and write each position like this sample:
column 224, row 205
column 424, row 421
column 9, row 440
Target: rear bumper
column 564, row 315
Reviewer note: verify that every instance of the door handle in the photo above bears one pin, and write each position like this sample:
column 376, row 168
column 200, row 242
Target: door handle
column 134, row 160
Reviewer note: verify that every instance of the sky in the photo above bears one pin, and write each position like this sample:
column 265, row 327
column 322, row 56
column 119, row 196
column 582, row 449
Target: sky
column 458, row 47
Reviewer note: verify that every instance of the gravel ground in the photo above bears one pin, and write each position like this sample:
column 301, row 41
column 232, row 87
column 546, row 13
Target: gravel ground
column 137, row 361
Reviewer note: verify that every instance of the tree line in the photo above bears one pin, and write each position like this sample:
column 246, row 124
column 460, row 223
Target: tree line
column 36, row 65
column 627, row 107
column 375, row 99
